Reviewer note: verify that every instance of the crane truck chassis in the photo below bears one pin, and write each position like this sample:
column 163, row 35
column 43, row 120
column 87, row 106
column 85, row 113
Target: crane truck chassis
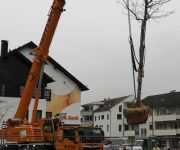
column 45, row 134
column 57, row 137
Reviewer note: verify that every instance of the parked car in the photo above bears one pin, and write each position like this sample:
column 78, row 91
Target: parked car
column 111, row 147
column 138, row 145
column 125, row 147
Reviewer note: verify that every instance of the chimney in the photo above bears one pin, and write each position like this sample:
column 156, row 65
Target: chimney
column 4, row 48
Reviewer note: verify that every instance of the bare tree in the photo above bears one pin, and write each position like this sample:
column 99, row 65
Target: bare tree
column 142, row 11
column 4, row 110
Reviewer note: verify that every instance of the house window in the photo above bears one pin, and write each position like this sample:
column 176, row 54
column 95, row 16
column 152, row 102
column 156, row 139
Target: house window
column 102, row 117
column 91, row 108
column 86, row 108
column 47, row 94
column 95, row 118
column 107, row 128
column 99, row 117
column 48, row 114
column 88, row 118
column 107, row 116
column 39, row 114
column 169, row 110
column 125, row 127
column 21, row 90
column 159, row 126
column 120, row 108
column 119, row 116
column 3, row 90
column 120, row 127
column 27, row 115
column 150, row 127
column 143, row 132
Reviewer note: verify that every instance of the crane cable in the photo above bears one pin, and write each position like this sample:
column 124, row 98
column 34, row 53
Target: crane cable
column 133, row 56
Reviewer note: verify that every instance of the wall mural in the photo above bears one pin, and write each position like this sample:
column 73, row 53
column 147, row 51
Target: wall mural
column 59, row 103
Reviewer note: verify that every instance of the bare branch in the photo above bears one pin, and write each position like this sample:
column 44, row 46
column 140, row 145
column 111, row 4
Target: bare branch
column 132, row 10
column 4, row 112
column 146, row 9
column 164, row 15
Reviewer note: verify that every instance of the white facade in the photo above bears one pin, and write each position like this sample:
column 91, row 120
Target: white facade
column 62, row 83
column 8, row 107
column 112, row 120
column 62, row 86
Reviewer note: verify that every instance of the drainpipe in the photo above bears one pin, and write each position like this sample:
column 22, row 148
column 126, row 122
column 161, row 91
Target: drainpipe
column 152, row 118
column 110, row 121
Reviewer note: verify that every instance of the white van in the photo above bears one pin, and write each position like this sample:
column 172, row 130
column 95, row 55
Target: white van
column 138, row 145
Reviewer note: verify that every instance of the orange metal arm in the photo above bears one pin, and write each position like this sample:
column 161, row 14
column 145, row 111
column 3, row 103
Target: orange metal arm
column 41, row 55
column 37, row 97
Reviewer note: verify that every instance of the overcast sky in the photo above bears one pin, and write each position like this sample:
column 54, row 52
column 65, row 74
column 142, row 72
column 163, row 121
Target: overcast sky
column 91, row 43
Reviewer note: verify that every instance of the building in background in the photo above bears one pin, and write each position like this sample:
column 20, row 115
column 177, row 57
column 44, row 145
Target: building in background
column 87, row 113
column 110, row 117
column 61, row 91
column 108, row 114
column 164, row 119
column 163, row 123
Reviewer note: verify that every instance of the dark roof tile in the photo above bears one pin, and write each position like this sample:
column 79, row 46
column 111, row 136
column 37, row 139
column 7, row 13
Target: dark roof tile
column 167, row 99
column 109, row 103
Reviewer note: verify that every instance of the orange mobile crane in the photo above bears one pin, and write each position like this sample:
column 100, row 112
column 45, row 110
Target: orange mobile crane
column 19, row 129
column 20, row 134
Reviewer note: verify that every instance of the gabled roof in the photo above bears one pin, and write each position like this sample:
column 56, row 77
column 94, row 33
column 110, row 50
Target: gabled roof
column 56, row 65
column 167, row 99
column 93, row 103
column 109, row 103
column 27, row 62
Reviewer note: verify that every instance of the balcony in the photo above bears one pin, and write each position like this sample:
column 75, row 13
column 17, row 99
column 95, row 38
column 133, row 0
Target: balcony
column 161, row 118
column 86, row 113
column 177, row 131
column 164, row 132
column 129, row 133
column 87, row 123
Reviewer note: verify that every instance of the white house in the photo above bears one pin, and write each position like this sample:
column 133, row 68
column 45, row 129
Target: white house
column 110, row 117
column 61, row 91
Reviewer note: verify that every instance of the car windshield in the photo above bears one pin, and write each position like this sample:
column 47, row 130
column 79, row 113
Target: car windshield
column 138, row 143
column 91, row 135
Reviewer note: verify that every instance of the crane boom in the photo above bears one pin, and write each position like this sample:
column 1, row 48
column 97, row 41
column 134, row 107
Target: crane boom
column 41, row 56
